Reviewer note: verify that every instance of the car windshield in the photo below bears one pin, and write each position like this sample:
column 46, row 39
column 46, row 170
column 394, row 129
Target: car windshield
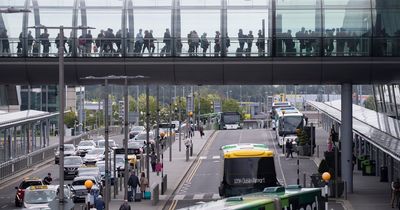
column 137, row 129
column 102, row 143
column 141, row 136
column 73, row 161
column 96, row 152
column 69, row 148
column 82, row 182
column 39, row 196
column 91, row 170
column 27, row 184
column 85, row 143
column 119, row 160
column 135, row 145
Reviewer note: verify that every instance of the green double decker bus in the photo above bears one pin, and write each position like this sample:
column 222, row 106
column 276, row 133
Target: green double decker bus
column 293, row 197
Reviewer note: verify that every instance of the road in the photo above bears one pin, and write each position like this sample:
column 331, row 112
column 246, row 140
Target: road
column 202, row 183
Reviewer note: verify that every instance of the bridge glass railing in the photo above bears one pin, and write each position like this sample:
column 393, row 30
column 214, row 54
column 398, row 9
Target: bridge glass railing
column 212, row 47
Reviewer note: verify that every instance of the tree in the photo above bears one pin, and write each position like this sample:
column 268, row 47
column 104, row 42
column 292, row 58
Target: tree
column 70, row 118
column 230, row 105
column 370, row 103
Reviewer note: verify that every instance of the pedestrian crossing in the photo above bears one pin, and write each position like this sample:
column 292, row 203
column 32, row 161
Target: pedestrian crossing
column 199, row 196
column 210, row 157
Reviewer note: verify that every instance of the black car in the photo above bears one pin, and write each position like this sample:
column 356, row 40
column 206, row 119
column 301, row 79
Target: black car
column 135, row 131
column 71, row 165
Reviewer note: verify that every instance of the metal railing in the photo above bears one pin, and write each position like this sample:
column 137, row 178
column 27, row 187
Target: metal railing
column 30, row 160
column 284, row 46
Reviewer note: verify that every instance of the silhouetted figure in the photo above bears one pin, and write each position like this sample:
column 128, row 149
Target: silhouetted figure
column 260, row 44
column 44, row 39
column 57, row 41
column 204, row 43
column 100, row 42
column 250, row 39
column 166, row 50
column 217, row 46
column 88, row 43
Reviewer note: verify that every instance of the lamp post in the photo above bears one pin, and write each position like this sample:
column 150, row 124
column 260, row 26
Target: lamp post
column 126, row 123
column 62, row 101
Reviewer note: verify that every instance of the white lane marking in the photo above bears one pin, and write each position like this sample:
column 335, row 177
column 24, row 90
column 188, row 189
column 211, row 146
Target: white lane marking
column 3, row 207
column 203, row 157
column 216, row 196
column 216, row 157
column 198, row 196
column 216, row 161
column 179, row 197
column 240, row 135
column 279, row 159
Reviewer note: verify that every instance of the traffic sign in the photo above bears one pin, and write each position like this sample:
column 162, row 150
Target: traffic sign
column 133, row 117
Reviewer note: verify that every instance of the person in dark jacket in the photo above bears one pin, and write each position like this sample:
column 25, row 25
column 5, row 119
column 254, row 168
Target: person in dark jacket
column 133, row 182
column 125, row 206
column 99, row 203
column 47, row 180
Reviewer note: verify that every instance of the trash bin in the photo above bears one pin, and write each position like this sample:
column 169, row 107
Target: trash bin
column 384, row 174
column 368, row 167
column 360, row 159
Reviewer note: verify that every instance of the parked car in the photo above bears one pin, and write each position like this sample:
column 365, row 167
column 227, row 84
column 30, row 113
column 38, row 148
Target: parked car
column 135, row 130
column 69, row 149
column 85, row 146
column 27, row 182
column 71, row 165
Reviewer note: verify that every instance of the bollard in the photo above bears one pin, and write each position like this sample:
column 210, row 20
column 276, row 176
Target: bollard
column 187, row 153
column 326, row 195
column 191, row 150
column 317, row 151
column 345, row 190
column 120, row 182
column 304, row 179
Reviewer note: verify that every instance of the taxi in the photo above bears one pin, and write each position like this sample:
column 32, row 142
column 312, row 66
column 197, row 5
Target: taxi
column 26, row 183
column 39, row 196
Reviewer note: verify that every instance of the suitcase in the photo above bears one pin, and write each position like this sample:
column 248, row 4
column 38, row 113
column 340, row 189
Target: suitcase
column 147, row 195
column 138, row 197
column 130, row 195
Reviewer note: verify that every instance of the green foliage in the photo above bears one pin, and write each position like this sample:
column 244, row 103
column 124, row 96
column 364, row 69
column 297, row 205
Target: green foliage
column 303, row 137
column 370, row 103
column 70, row 118
column 230, row 105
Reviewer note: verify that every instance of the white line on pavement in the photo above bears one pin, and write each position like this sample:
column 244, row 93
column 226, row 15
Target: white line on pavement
column 179, row 197
column 216, row 157
column 216, row 196
column 279, row 159
column 198, row 196
column 203, row 157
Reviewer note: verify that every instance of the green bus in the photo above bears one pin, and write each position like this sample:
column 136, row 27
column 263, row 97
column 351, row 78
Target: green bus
column 229, row 120
column 293, row 197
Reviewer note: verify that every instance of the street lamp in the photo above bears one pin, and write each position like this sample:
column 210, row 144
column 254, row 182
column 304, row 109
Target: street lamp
column 62, row 101
column 126, row 123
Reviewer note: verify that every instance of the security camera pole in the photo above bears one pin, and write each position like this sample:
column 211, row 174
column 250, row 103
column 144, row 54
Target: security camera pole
column 61, row 93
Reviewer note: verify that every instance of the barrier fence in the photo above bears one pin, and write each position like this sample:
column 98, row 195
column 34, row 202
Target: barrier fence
column 30, row 160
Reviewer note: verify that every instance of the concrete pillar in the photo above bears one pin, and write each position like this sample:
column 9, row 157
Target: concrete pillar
column 346, row 129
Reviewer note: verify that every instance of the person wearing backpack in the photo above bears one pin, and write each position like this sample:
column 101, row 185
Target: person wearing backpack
column 395, row 192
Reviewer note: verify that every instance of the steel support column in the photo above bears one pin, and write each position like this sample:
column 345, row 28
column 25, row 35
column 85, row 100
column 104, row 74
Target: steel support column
column 224, row 27
column 347, row 136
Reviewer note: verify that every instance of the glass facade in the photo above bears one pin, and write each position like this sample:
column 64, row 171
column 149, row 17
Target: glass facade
column 252, row 28
column 387, row 99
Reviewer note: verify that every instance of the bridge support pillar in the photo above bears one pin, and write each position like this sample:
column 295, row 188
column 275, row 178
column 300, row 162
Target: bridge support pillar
column 347, row 136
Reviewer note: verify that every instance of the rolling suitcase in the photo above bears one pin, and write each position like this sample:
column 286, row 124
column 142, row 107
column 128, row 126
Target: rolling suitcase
column 138, row 197
column 130, row 195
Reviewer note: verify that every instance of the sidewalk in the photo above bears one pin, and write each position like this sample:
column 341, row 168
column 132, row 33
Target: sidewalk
column 175, row 170
column 368, row 192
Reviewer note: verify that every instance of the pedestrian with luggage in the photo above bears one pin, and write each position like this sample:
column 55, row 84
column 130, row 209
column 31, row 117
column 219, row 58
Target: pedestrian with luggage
column 133, row 183
column 144, row 183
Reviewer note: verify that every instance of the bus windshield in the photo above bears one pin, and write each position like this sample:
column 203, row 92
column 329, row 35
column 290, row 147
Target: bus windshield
column 289, row 124
column 231, row 119
column 257, row 172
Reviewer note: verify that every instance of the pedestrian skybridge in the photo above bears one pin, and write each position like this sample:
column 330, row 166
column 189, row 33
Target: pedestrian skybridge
column 203, row 41
column 375, row 134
